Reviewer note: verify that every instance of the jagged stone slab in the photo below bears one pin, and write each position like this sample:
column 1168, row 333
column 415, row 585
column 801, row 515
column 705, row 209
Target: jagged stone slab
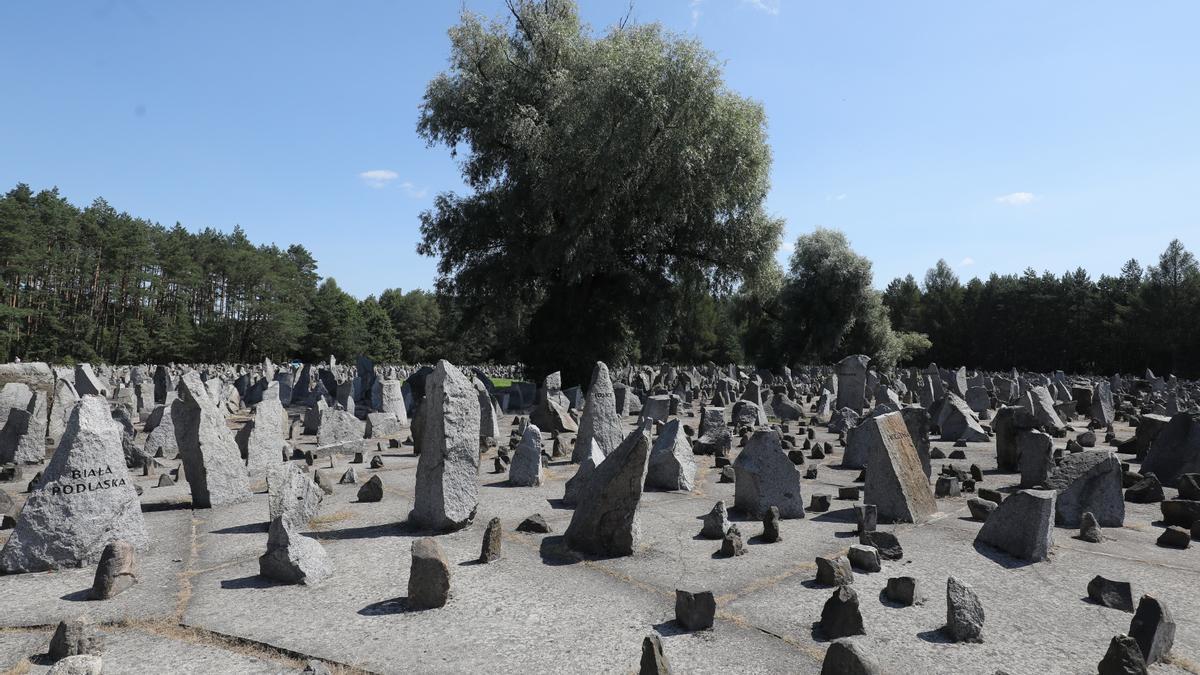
column 292, row 495
column 211, row 460
column 672, row 463
column 447, row 493
column 83, row 501
column 293, row 558
column 896, row 483
column 600, row 422
column 1022, row 526
column 526, row 467
column 1175, row 450
column 605, row 521
column 1088, row 482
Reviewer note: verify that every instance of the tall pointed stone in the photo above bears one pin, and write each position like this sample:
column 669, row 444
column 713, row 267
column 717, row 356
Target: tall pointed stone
column 447, row 492
column 600, row 421
column 84, row 500
column 766, row 478
column 211, row 460
column 605, row 521
column 672, row 464
column 262, row 438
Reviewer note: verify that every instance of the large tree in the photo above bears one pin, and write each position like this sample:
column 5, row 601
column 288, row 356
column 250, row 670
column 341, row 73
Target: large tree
column 606, row 172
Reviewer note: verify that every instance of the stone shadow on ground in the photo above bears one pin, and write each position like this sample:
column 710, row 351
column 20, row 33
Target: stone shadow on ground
column 248, row 528
column 252, row 581
column 936, row 636
column 670, row 628
column 999, row 557
column 366, row 532
column 386, row 607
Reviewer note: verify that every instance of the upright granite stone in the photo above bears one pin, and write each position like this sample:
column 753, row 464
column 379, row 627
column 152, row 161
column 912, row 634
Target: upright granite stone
column 1022, row 526
column 447, row 492
column 605, row 521
column 1088, row 481
column 292, row 495
column 714, row 437
column 83, row 501
column 526, row 467
column 896, row 483
column 262, row 439
column 86, row 382
column 1153, row 627
column 964, row 612
column 115, row 573
column 672, row 464
column 600, row 422
column 1009, row 422
column 211, row 460
column 340, row 426
column 1035, row 450
column 391, row 399
column 765, row 477
column 1176, row 449
column 429, row 575
column 852, row 382
column 1102, row 410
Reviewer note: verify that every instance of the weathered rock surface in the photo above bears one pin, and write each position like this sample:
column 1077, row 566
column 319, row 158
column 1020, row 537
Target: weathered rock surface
column 766, row 478
column 605, row 521
column 1022, row 526
column 84, row 500
column 672, row 465
column 447, row 492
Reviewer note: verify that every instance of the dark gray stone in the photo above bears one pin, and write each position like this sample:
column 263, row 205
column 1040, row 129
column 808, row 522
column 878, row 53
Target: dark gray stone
column 605, row 521
column 964, row 612
column 695, row 611
column 429, row 576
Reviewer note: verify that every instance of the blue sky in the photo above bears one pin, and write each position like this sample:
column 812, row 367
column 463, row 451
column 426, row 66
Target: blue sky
column 994, row 135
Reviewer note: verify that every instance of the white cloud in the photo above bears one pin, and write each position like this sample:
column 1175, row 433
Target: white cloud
column 967, row 262
column 378, row 178
column 695, row 7
column 835, row 198
column 768, row 6
column 787, row 246
column 1016, row 199
column 413, row 191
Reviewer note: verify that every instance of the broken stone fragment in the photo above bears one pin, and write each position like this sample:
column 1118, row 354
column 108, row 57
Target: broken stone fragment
column 1153, row 628
column 73, row 637
column 1109, row 593
column 834, row 571
column 654, row 661
column 904, row 591
column 731, row 543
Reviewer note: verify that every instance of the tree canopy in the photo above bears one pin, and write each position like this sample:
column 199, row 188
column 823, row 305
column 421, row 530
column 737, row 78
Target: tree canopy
column 608, row 174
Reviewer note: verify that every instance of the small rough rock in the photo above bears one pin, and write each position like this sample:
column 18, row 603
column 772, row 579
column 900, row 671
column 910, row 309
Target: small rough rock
column 840, row 617
column 75, row 636
column 535, row 524
column 731, row 543
column 716, row 523
column 964, row 612
column 695, row 611
column 492, row 537
column 350, row 477
column 819, row 503
column 1109, row 593
column 1153, row 627
column 372, row 490
column 904, row 591
column 429, row 576
column 1123, row 658
column 292, row 558
column 885, row 542
column 980, row 508
column 654, row 661
column 1175, row 537
column 115, row 573
column 864, row 558
column 770, row 533
column 834, row 571
column 847, row 657
column 1089, row 529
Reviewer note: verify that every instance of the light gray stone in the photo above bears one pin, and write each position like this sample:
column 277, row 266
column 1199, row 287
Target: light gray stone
column 262, row 439
column 672, row 464
column 292, row 495
column 766, row 478
column 852, row 382
column 526, row 467
column 896, row 483
column 1088, row 481
column 293, row 558
column 339, row 426
column 83, row 501
column 964, row 612
column 1036, row 457
column 211, row 461
column 447, row 493
column 605, row 521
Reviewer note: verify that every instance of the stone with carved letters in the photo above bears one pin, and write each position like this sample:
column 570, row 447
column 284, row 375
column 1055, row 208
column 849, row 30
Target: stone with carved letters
column 84, row 500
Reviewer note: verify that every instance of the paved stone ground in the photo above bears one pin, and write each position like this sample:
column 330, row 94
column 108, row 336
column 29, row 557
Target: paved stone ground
column 200, row 606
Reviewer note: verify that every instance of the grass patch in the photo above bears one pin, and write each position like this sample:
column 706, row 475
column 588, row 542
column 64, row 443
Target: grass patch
column 335, row 517
column 502, row 382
